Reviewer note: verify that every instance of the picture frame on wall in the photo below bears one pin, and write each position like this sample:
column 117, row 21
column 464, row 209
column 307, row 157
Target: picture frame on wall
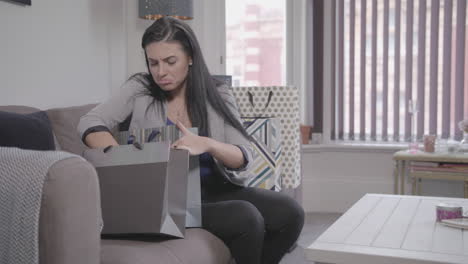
column 22, row 2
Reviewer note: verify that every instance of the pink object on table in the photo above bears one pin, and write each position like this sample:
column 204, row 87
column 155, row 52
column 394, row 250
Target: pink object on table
column 429, row 143
column 448, row 211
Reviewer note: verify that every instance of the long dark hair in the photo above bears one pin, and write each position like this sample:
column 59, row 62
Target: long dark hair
column 201, row 87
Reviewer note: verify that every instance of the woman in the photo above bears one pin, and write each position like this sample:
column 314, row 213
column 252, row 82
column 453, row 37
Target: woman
column 259, row 226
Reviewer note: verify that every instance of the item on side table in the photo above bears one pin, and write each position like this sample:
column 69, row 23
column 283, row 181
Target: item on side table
column 448, row 211
column 305, row 134
column 463, row 145
column 429, row 143
column 316, row 138
column 143, row 191
column 413, row 109
column 456, row 222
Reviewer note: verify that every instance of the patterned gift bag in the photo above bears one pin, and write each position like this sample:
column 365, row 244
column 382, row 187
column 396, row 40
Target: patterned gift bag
column 280, row 102
column 266, row 165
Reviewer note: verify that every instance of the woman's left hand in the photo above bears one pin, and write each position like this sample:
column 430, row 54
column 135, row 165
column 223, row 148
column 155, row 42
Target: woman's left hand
column 195, row 144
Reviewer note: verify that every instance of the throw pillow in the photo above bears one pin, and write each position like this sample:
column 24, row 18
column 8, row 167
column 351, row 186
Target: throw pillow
column 26, row 131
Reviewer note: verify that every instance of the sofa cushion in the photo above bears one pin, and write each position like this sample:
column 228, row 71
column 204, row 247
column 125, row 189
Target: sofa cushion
column 26, row 131
column 65, row 122
column 198, row 247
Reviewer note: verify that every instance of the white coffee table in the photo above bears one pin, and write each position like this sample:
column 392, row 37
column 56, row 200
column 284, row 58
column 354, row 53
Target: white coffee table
column 397, row 229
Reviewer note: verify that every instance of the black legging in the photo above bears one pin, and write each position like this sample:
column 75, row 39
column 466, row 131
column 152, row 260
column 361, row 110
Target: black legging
column 258, row 225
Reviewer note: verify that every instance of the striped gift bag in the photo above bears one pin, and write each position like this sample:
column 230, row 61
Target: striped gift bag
column 266, row 165
column 281, row 102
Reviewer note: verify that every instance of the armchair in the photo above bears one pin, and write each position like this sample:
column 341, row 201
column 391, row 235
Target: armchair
column 70, row 213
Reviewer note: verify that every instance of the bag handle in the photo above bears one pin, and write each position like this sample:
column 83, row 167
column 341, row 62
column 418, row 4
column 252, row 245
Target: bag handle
column 135, row 144
column 270, row 95
column 252, row 103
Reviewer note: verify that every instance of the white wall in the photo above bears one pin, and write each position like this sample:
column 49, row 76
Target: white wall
column 335, row 177
column 208, row 25
column 135, row 29
column 60, row 52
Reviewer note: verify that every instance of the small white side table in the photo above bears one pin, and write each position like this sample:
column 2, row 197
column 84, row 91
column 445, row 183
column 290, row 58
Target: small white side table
column 401, row 171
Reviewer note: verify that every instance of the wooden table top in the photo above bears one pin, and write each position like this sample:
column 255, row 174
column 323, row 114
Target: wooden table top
column 456, row 157
column 394, row 229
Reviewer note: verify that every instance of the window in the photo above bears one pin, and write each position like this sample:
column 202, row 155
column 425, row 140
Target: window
column 255, row 42
column 393, row 51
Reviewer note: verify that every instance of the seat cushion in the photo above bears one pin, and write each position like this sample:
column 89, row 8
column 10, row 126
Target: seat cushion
column 198, row 247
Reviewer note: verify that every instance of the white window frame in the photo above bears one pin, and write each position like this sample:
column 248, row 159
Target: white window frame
column 296, row 58
column 209, row 27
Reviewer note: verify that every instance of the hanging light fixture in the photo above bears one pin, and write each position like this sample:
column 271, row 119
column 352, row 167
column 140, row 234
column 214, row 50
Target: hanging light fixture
column 154, row 9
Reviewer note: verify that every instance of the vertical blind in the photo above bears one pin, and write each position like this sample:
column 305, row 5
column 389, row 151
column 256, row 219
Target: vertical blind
column 390, row 52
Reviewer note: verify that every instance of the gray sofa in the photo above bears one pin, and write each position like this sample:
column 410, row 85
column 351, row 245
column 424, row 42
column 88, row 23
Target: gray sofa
column 70, row 209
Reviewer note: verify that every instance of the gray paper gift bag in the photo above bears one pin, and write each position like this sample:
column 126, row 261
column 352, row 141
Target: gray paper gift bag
column 171, row 134
column 143, row 191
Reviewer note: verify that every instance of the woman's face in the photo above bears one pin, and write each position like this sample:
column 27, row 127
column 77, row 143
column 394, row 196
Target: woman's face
column 168, row 64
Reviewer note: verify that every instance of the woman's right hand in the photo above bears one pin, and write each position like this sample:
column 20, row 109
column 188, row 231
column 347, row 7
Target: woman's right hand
column 100, row 139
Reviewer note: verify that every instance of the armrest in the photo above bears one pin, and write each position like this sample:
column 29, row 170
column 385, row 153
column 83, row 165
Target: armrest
column 69, row 222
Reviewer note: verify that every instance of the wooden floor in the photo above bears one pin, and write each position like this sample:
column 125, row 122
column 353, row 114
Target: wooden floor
column 315, row 225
